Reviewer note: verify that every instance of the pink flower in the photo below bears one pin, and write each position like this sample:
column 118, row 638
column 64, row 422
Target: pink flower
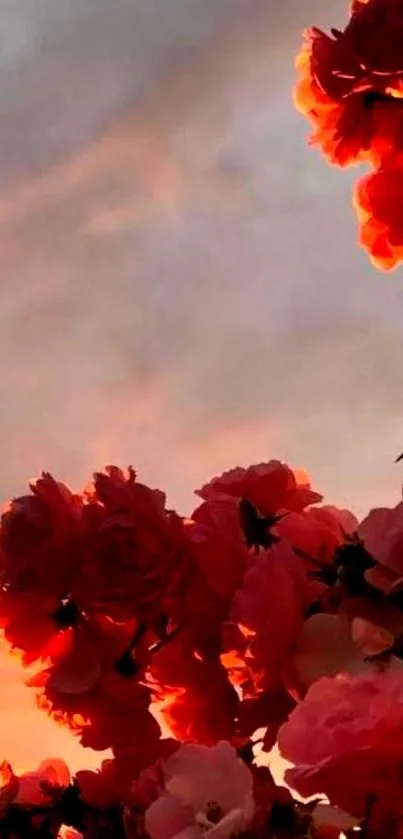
column 208, row 792
column 346, row 741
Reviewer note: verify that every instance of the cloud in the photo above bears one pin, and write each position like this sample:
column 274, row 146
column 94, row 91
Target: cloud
column 180, row 285
column 193, row 256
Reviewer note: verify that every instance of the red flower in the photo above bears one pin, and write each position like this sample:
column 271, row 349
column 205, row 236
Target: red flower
column 193, row 694
column 114, row 551
column 378, row 199
column 215, row 533
column 40, row 539
column 315, row 535
column 269, row 487
column 26, row 619
column 266, row 616
column 40, row 566
column 351, row 84
column 133, row 549
column 382, row 534
column 112, row 714
column 216, row 560
column 83, row 690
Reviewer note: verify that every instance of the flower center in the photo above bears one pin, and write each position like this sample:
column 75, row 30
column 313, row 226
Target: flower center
column 66, row 614
column 256, row 528
column 212, row 814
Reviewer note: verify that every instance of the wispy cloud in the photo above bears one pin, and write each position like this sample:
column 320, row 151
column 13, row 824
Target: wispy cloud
column 180, row 285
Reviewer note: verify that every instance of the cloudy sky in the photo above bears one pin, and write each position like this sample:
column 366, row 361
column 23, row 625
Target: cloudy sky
column 181, row 287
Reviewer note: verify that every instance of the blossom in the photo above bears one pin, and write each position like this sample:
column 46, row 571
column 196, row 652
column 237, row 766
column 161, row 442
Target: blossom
column 40, row 563
column 133, row 547
column 113, row 551
column 331, row 644
column 266, row 616
column 317, row 532
column 216, row 560
column 83, row 689
column 378, row 199
column 212, row 630
column 113, row 714
column 39, row 538
column 192, row 693
column 36, row 788
column 51, row 777
column 215, row 533
column 345, row 740
column 382, row 534
column 269, row 487
column 208, row 792
column 317, row 535
column 83, row 686
column 350, row 84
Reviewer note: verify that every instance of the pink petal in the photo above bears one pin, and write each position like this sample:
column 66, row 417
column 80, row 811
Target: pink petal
column 167, row 817
column 325, row 647
column 55, row 772
column 325, row 814
column 232, row 824
column 370, row 638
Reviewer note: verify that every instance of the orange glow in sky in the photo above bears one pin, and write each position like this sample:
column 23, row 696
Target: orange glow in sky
column 27, row 735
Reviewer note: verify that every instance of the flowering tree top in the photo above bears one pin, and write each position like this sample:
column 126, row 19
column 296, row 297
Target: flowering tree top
column 189, row 647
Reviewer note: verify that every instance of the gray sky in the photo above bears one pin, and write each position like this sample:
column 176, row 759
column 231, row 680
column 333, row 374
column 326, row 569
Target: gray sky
column 180, row 283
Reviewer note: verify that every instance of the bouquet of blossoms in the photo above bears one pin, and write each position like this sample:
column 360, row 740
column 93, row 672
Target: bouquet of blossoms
column 193, row 650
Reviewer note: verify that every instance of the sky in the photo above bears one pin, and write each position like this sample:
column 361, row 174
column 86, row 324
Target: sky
column 180, row 282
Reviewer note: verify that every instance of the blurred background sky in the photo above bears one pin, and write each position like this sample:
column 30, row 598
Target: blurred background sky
column 180, row 284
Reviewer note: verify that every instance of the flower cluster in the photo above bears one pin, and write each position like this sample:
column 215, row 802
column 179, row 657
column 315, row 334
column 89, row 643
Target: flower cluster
column 350, row 87
column 190, row 646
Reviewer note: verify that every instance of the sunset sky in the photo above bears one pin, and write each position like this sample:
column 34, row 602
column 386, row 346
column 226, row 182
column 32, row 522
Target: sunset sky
column 181, row 287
